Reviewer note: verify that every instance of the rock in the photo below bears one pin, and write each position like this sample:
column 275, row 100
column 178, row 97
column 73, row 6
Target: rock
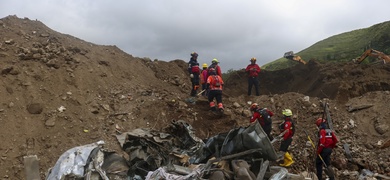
column 11, row 41
column 50, row 122
column 368, row 146
column 182, row 104
column 94, row 110
column 340, row 163
column 236, row 105
column 3, row 54
column 35, row 108
column 246, row 113
column 381, row 128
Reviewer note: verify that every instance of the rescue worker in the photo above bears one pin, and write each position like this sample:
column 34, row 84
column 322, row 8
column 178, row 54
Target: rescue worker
column 214, row 85
column 203, row 79
column 214, row 64
column 288, row 127
column 253, row 71
column 263, row 116
column 327, row 140
column 193, row 69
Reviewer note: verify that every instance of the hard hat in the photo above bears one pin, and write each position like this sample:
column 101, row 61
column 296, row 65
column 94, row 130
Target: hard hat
column 287, row 112
column 319, row 121
column 215, row 61
column 254, row 106
column 204, row 65
column 253, row 59
column 194, row 54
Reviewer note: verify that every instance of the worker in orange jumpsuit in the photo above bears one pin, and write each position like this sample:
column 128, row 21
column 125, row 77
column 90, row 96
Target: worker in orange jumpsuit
column 214, row 85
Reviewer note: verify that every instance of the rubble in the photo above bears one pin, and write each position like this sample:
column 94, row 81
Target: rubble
column 242, row 153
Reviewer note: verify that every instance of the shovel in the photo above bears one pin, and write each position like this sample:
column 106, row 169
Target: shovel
column 328, row 170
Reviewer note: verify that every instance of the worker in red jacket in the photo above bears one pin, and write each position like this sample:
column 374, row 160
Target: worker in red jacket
column 263, row 116
column 288, row 128
column 214, row 65
column 194, row 71
column 203, row 79
column 253, row 71
column 327, row 140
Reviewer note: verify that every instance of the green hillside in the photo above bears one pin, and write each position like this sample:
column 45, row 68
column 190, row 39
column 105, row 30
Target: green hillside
column 342, row 47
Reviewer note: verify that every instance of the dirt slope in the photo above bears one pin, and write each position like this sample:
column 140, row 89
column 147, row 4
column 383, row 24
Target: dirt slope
column 59, row 92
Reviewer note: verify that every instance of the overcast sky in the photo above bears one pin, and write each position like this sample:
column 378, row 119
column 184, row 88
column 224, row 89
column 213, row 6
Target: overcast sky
column 232, row 31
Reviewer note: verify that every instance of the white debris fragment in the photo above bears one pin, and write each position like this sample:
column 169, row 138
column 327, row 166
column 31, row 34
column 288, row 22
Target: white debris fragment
column 351, row 123
column 61, row 109
column 380, row 142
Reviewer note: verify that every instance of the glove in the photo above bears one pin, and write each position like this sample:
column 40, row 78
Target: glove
column 192, row 75
column 319, row 150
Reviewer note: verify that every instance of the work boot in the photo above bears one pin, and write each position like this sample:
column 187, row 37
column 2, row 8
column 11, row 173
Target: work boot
column 287, row 160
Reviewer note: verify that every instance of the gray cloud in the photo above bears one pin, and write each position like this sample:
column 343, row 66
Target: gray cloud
column 231, row 31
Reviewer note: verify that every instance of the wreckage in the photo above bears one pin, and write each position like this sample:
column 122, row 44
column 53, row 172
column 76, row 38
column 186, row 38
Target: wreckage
column 176, row 153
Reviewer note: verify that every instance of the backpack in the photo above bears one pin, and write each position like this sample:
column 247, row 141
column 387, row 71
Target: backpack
column 264, row 114
column 216, row 82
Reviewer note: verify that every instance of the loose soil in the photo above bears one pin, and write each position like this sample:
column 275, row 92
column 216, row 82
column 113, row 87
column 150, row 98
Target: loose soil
column 59, row 92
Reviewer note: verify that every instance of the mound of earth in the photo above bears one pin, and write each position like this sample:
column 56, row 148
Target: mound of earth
column 339, row 81
column 59, row 92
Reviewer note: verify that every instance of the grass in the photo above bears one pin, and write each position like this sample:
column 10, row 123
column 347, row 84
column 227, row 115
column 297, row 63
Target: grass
column 342, row 47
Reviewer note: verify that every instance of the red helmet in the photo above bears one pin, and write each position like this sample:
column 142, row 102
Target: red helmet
column 319, row 121
column 254, row 106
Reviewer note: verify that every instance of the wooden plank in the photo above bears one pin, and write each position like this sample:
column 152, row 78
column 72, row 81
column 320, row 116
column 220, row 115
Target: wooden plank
column 359, row 107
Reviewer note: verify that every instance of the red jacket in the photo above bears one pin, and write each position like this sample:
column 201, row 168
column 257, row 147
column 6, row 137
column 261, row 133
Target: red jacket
column 287, row 127
column 203, row 76
column 217, row 69
column 257, row 116
column 327, row 139
column 253, row 70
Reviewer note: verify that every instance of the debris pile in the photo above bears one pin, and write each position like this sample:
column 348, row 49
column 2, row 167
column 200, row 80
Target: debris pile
column 243, row 153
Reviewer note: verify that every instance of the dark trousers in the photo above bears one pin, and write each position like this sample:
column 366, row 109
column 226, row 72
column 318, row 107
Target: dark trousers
column 195, row 84
column 285, row 144
column 253, row 81
column 325, row 154
column 267, row 129
column 217, row 94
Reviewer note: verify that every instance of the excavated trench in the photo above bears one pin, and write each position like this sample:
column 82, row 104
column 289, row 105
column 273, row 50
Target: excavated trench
column 338, row 81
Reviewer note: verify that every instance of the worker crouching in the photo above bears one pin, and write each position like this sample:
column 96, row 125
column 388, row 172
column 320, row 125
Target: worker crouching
column 214, row 85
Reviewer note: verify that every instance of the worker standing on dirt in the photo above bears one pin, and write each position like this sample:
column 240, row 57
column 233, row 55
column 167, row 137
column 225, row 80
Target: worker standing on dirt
column 327, row 141
column 203, row 79
column 288, row 128
column 193, row 69
column 263, row 116
column 253, row 71
column 214, row 85
column 214, row 65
